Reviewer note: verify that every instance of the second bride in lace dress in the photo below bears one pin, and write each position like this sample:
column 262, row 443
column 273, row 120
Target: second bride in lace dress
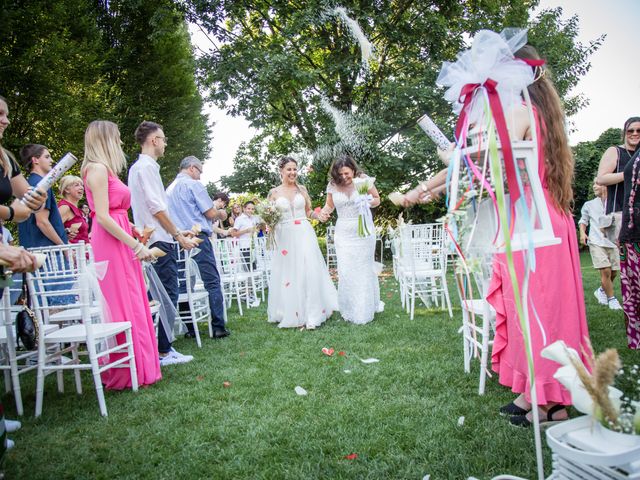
column 301, row 293
column 358, row 289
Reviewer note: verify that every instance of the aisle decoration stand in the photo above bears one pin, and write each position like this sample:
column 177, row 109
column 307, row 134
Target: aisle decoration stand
column 485, row 82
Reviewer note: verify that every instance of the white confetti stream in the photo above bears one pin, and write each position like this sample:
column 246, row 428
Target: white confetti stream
column 366, row 48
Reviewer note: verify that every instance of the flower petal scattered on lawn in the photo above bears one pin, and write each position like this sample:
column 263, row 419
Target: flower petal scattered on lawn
column 351, row 456
column 328, row 351
column 461, row 421
column 300, row 391
column 369, row 360
column 342, row 353
column 226, row 384
column 200, row 378
column 347, row 371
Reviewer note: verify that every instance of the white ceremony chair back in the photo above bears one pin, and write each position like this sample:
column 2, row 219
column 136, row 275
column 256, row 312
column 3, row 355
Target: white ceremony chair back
column 423, row 267
column 248, row 278
column 14, row 362
column 332, row 259
column 94, row 333
column 193, row 300
column 224, row 253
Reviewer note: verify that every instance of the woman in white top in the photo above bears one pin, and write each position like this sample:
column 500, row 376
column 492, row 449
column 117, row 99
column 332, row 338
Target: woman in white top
column 301, row 293
column 358, row 289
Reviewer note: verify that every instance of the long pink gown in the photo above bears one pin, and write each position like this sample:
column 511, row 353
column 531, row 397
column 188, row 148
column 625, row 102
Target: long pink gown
column 124, row 290
column 556, row 297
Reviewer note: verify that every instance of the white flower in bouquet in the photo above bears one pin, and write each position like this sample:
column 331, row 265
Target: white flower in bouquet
column 365, row 220
column 270, row 216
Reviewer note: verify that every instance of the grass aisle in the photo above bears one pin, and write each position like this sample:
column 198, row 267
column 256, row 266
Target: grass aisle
column 400, row 416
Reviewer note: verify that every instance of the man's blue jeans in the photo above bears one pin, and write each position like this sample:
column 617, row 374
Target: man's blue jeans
column 167, row 269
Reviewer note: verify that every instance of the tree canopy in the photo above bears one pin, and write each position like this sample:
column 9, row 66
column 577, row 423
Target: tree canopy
column 274, row 61
column 69, row 62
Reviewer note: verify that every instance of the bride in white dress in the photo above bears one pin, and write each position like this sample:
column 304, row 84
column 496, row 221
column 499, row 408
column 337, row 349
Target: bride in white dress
column 301, row 293
column 358, row 289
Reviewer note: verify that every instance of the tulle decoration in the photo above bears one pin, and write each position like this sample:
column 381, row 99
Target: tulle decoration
column 489, row 58
column 168, row 312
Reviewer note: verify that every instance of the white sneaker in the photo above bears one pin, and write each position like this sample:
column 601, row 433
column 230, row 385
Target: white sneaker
column 9, row 444
column 601, row 296
column 11, row 425
column 614, row 304
column 174, row 358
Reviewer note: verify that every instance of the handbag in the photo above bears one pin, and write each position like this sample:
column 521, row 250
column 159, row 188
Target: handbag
column 611, row 224
column 26, row 322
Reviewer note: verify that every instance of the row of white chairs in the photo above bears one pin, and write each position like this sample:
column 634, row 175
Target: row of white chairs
column 420, row 266
column 419, row 257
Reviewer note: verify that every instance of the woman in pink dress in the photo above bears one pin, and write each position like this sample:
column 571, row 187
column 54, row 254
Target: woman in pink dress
column 556, row 298
column 123, row 285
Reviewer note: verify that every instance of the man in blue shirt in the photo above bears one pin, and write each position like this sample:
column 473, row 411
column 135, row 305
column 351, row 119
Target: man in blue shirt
column 44, row 227
column 190, row 204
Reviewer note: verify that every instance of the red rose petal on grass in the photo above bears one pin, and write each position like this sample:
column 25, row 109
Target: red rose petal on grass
column 284, row 252
column 328, row 351
column 351, row 456
column 226, row 384
column 297, row 222
column 342, row 354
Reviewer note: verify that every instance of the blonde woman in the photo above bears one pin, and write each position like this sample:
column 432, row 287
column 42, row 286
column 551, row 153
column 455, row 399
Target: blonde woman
column 76, row 226
column 123, row 285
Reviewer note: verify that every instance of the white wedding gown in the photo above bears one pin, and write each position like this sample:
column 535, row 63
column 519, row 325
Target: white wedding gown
column 358, row 289
column 301, row 293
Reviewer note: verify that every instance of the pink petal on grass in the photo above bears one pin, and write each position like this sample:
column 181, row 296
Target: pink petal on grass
column 351, row 456
column 226, row 384
column 328, row 351
column 342, row 354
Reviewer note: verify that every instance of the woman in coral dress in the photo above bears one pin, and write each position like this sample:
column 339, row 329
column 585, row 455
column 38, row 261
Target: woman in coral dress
column 123, row 285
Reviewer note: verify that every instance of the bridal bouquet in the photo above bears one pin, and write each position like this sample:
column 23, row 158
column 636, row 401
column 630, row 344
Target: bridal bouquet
column 365, row 220
column 270, row 215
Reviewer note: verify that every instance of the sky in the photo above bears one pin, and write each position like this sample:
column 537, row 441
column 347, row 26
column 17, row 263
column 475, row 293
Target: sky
column 612, row 85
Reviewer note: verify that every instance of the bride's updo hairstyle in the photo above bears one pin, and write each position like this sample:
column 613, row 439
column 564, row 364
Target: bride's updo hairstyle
column 284, row 160
column 340, row 162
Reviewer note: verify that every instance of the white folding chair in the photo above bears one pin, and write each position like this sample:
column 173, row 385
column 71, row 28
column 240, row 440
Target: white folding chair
column 15, row 362
column 98, row 337
column 423, row 268
column 249, row 280
column 332, row 259
column 225, row 260
column 193, row 303
column 478, row 323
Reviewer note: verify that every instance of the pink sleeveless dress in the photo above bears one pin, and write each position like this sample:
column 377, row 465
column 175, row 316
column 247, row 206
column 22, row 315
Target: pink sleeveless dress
column 124, row 290
column 556, row 298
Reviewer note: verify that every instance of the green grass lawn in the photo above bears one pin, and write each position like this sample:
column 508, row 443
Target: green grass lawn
column 400, row 416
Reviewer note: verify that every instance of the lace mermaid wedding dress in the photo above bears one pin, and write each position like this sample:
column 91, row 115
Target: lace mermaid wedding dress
column 358, row 289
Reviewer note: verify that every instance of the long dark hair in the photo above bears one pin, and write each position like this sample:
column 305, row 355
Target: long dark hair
column 558, row 158
column 341, row 162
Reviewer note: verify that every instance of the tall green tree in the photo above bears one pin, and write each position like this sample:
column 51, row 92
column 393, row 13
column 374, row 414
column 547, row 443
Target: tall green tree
column 52, row 72
column 151, row 74
column 273, row 61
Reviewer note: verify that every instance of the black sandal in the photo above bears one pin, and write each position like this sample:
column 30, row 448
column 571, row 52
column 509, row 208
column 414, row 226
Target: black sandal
column 513, row 410
column 523, row 421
